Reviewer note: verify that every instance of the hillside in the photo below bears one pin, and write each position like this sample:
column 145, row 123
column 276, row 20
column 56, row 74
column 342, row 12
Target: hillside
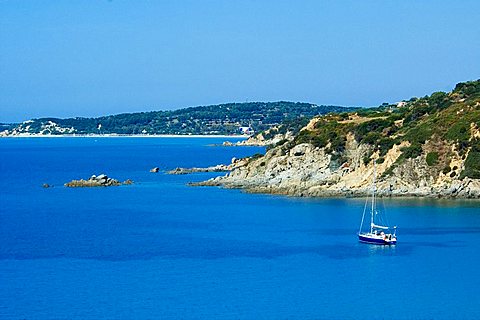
column 426, row 146
column 214, row 119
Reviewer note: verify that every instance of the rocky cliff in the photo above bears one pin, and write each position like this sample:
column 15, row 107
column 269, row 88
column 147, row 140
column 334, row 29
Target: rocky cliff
column 421, row 147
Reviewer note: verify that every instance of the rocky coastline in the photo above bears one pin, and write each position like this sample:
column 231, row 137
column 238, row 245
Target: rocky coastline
column 235, row 163
column 217, row 168
column 259, row 140
column 307, row 171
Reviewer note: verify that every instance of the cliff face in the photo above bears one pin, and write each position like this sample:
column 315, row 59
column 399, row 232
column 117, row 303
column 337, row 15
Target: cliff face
column 424, row 147
column 306, row 171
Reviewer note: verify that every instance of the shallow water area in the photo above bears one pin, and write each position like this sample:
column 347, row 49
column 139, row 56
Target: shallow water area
column 161, row 249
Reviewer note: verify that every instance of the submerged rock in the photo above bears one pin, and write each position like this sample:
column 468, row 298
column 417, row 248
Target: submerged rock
column 128, row 181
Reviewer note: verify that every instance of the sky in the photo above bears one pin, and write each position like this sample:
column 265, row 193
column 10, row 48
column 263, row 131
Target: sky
column 92, row 58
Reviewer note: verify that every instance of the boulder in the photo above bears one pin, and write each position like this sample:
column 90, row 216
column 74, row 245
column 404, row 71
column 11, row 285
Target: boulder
column 156, row 169
column 101, row 177
column 299, row 150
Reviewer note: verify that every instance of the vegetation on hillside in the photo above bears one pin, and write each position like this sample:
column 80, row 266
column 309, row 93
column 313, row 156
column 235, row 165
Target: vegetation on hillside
column 214, row 119
column 6, row 126
column 431, row 125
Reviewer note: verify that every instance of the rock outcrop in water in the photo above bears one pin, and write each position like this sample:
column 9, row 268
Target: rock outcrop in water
column 101, row 180
column 218, row 168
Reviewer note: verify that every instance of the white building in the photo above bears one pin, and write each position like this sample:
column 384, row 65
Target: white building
column 246, row 130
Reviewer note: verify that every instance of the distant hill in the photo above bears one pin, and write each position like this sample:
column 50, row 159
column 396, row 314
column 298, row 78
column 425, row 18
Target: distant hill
column 215, row 119
column 7, row 126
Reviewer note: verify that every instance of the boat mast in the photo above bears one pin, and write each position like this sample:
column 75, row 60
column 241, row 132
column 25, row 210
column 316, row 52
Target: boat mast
column 373, row 196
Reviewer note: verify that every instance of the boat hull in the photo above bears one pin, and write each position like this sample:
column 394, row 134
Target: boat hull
column 375, row 240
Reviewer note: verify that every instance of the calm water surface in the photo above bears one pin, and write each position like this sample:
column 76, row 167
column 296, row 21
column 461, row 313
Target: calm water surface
column 161, row 249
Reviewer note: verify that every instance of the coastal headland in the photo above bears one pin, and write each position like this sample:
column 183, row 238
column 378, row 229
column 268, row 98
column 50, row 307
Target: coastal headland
column 423, row 147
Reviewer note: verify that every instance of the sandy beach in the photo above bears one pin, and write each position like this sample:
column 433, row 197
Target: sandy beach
column 122, row 136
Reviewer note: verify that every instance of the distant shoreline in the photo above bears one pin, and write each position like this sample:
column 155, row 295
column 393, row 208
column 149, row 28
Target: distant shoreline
column 124, row 136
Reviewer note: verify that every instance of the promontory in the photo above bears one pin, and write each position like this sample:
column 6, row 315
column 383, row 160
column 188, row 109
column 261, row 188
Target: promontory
column 426, row 147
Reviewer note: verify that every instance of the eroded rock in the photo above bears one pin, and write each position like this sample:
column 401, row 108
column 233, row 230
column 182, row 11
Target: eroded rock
column 101, row 180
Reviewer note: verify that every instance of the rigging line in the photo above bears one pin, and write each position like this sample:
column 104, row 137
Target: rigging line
column 385, row 218
column 373, row 196
column 363, row 216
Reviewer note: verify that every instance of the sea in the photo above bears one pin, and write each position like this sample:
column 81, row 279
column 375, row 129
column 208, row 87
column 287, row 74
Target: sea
column 160, row 249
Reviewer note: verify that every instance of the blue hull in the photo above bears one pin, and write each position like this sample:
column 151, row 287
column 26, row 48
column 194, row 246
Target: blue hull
column 365, row 239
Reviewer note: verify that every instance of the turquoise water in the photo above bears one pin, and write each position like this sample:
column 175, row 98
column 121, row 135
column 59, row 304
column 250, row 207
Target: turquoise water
column 161, row 249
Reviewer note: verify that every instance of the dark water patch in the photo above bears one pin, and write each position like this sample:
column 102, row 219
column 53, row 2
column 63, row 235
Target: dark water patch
column 431, row 244
column 401, row 231
column 179, row 247
column 438, row 231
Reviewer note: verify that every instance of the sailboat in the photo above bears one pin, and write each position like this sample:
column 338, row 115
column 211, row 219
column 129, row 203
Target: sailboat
column 378, row 232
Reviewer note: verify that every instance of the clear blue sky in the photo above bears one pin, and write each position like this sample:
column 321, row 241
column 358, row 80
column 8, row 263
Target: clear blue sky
column 90, row 58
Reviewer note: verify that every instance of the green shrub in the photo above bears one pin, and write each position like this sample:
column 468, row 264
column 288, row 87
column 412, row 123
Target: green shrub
column 417, row 112
column 366, row 158
column 420, row 133
column 303, row 136
column 319, row 141
column 432, row 158
column 468, row 88
column 384, row 145
column 472, row 162
column 412, row 151
column 338, row 143
column 438, row 100
column 269, row 134
column 375, row 125
column 389, row 170
column 337, row 159
column 446, row 170
column 281, row 142
column 371, row 138
column 459, row 131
